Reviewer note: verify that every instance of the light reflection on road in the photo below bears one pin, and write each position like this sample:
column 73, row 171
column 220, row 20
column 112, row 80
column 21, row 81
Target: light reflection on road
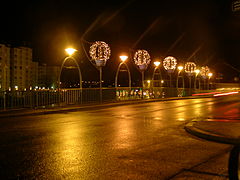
column 96, row 143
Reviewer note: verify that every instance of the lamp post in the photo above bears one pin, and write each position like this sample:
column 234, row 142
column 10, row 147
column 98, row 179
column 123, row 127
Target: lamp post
column 190, row 68
column 157, row 65
column 209, row 77
column 100, row 52
column 170, row 63
column 142, row 59
column 204, row 74
column 70, row 52
column 180, row 68
column 195, row 81
column 123, row 60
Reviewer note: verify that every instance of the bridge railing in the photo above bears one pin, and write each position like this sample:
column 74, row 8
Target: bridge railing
column 62, row 97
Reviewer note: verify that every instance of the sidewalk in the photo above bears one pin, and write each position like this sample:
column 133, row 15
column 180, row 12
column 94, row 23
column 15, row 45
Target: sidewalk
column 70, row 108
column 218, row 130
column 222, row 131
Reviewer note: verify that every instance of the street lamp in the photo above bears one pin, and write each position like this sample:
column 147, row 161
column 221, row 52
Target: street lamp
column 142, row 59
column 209, row 77
column 197, row 71
column 190, row 68
column 123, row 59
column 180, row 68
column 204, row 74
column 157, row 66
column 100, row 52
column 70, row 52
column 169, row 64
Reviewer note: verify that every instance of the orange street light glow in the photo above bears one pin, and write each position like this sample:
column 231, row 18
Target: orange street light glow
column 123, row 58
column 180, row 68
column 157, row 63
column 197, row 71
column 70, row 51
column 210, row 75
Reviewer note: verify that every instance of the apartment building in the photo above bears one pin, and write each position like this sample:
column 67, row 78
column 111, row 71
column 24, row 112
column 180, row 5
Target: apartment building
column 20, row 68
column 18, row 71
column 4, row 67
column 48, row 76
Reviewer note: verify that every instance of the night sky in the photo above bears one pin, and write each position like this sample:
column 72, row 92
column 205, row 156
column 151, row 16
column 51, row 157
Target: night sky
column 171, row 27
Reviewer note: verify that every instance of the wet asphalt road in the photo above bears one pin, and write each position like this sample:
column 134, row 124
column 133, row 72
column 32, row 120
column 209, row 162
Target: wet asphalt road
column 140, row 141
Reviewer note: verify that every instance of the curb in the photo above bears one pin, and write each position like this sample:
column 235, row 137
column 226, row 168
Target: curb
column 210, row 136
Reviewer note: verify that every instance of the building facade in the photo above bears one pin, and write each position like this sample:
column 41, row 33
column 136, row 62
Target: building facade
column 4, row 67
column 20, row 68
column 18, row 71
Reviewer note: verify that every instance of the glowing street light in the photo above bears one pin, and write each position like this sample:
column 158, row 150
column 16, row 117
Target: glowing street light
column 123, row 58
column 157, row 66
column 169, row 64
column 70, row 51
column 142, row 59
column 157, row 63
column 190, row 68
column 209, row 77
column 197, row 71
column 180, row 68
column 100, row 52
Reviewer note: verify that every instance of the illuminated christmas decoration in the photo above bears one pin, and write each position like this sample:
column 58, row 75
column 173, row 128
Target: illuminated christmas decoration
column 190, row 68
column 204, row 71
column 142, row 59
column 100, row 52
column 170, row 63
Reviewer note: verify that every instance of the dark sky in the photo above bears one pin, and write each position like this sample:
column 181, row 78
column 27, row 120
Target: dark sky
column 170, row 27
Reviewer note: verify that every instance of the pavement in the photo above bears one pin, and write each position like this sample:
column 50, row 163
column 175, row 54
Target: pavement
column 218, row 130
column 224, row 131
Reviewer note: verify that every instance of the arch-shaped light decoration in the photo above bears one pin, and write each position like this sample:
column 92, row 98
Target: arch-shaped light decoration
column 204, row 71
column 190, row 68
column 170, row 63
column 100, row 52
column 142, row 59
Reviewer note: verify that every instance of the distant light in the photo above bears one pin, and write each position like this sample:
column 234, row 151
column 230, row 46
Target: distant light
column 157, row 63
column 70, row 51
column 123, row 58
column 162, row 81
column 197, row 71
column 180, row 68
column 148, row 81
column 100, row 51
column 16, row 87
column 142, row 59
column 210, row 75
column 190, row 67
column 170, row 63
